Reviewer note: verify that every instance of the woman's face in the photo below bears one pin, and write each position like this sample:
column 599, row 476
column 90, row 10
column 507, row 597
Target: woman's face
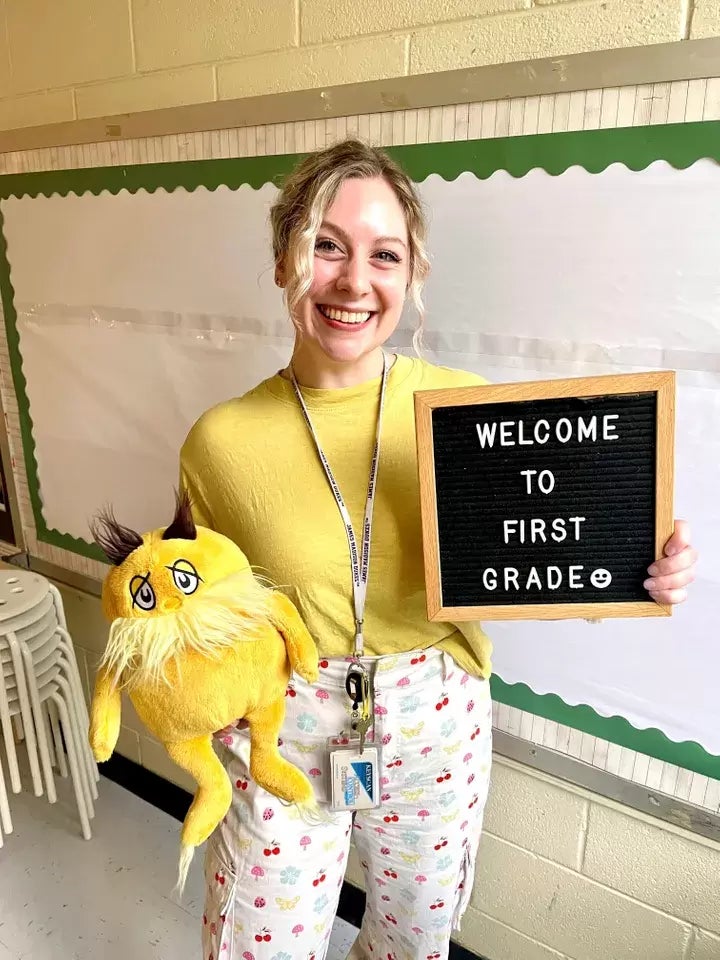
column 360, row 274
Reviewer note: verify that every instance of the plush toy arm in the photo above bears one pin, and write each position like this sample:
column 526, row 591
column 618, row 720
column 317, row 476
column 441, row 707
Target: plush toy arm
column 300, row 645
column 105, row 711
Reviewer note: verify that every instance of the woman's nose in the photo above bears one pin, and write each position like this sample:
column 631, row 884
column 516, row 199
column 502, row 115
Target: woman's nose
column 354, row 277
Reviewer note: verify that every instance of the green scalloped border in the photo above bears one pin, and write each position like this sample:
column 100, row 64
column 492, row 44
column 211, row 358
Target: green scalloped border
column 46, row 534
column 616, row 729
column 679, row 144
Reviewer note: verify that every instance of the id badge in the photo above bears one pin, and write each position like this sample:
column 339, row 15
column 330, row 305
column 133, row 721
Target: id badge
column 354, row 776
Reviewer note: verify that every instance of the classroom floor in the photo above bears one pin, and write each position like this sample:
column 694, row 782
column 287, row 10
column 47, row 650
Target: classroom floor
column 64, row 898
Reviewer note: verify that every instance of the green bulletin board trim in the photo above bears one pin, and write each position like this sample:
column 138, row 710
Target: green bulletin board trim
column 46, row 534
column 680, row 145
column 650, row 741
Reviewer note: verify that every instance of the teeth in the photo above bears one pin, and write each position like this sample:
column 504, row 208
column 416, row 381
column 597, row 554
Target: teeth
column 344, row 316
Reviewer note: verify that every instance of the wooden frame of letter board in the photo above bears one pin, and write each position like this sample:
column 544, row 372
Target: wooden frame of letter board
column 662, row 383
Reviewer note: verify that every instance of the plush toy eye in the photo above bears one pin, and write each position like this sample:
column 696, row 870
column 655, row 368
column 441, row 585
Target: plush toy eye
column 142, row 593
column 185, row 577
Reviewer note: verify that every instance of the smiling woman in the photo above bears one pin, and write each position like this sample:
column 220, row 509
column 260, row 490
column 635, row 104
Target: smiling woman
column 358, row 288
column 349, row 245
column 314, row 474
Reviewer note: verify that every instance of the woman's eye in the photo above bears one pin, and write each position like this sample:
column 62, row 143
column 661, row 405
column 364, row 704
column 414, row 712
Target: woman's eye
column 388, row 256
column 187, row 581
column 327, row 246
column 142, row 593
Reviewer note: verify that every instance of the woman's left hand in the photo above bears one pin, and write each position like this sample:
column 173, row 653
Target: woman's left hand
column 670, row 575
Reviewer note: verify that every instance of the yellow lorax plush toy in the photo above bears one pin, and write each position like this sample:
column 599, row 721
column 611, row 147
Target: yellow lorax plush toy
column 197, row 641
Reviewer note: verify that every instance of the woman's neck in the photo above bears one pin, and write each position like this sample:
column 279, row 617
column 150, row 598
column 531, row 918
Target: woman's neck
column 326, row 374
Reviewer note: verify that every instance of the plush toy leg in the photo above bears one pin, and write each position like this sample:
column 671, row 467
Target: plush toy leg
column 105, row 711
column 271, row 771
column 212, row 800
column 300, row 646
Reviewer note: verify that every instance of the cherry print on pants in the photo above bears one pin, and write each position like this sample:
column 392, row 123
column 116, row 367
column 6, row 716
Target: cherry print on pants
column 467, row 710
column 320, row 878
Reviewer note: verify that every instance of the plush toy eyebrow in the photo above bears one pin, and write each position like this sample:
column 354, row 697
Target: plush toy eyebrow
column 116, row 541
column 183, row 525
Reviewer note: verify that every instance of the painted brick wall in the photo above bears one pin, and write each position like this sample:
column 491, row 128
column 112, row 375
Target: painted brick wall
column 80, row 58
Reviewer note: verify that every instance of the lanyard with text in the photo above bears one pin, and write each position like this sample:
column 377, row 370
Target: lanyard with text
column 359, row 561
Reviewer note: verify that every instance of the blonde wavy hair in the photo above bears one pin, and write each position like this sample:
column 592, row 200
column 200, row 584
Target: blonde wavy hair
column 308, row 192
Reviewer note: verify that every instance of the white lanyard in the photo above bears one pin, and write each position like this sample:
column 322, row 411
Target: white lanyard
column 359, row 565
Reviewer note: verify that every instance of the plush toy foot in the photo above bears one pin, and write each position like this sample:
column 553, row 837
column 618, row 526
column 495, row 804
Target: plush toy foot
column 102, row 747
column 281, row 778
column 212, row 800
column 270, row 770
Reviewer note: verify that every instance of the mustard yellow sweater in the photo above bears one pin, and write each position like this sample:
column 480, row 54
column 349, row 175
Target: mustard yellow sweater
column 253, row 473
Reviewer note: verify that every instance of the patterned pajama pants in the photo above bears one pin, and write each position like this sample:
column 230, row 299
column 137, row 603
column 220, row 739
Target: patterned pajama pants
column 273, row 881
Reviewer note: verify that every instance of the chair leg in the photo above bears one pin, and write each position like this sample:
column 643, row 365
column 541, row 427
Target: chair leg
column 57, row 737
column 69, row 649
column 24, row 703
column 48, row 733
column 74, row 766
column 87, row 781
column 19, row 732
column 73, row 676
column 5, row 818
column 59, row 609
column 85, row 757
column 39, row 723
column 9, row 740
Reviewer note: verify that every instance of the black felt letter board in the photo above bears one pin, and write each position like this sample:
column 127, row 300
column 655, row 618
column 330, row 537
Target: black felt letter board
column 589, row 505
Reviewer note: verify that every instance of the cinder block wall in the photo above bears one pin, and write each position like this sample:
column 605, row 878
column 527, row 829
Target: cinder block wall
column 84, row 58
column 563, row 874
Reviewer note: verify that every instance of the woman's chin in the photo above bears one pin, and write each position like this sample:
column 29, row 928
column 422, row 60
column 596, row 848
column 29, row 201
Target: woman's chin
column 359, row 354
column 342, row 348
column 347, row 354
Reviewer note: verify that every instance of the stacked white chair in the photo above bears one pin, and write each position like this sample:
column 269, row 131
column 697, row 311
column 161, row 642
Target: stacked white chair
column 41, row 696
